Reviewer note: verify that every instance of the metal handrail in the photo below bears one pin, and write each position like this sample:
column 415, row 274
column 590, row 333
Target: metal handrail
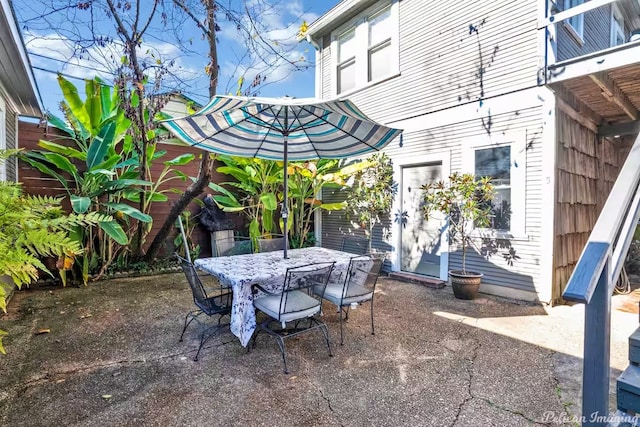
column 594, row 278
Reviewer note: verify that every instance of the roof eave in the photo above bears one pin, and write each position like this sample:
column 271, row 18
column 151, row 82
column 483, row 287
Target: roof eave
column 30, row 104
column 338, row 12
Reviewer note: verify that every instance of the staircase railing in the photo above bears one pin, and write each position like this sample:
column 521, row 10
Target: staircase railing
column 594, row 278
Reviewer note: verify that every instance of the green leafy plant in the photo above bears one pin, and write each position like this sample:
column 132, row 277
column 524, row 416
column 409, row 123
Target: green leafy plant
column 32, row 227
column 466, row 201
column 372, row 193
column 98, row 172
column 306, row 182
column 256, row 192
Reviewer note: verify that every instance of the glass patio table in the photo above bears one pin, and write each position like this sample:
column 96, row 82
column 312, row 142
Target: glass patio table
column 267, row 269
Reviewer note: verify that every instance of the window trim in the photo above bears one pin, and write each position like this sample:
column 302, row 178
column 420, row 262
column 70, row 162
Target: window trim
column 517, row 141
column 615, row 10
column 359, row 23
column 577, row 30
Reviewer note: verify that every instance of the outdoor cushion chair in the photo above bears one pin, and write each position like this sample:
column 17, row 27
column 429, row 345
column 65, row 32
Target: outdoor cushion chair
column 232, row 246
column 294, row 305
column 355, row 245
column 271, row 244
column 213, row 302
column 355, row 287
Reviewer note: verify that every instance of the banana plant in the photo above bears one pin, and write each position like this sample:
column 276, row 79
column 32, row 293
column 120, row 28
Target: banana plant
column 257, row 184
column 97, row 171
column 306, row 182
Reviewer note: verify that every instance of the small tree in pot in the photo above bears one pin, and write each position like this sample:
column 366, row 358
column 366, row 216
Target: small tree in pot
column 466, row 201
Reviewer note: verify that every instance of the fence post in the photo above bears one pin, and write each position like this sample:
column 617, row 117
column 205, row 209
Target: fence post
column 597, row 328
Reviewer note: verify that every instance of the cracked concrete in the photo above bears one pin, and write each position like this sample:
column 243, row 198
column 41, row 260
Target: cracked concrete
column 434, row 361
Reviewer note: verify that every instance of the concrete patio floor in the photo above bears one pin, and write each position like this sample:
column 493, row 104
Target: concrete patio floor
column 112, row 357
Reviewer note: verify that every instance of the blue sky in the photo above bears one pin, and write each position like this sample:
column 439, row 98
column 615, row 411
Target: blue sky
column 49, row 42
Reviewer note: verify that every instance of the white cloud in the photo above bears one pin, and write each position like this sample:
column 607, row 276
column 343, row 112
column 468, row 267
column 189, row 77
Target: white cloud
column 58, row 53
column 273, row 45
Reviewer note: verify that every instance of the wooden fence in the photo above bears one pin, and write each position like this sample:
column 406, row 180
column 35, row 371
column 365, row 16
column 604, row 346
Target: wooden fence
column 34, row 182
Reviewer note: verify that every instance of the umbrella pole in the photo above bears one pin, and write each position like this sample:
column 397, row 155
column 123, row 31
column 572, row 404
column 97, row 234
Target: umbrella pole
column 285, row 205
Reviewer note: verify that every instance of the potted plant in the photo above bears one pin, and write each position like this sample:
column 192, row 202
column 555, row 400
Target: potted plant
column 466, row 201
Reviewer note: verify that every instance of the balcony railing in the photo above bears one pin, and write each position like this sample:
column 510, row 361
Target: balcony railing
column 591, row 28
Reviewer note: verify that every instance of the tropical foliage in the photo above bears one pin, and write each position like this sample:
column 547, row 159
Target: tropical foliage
column 259, row 188
column 306, row 182
column 101, row 173
column 372, row 193
column 256, row 186
column 32, row 227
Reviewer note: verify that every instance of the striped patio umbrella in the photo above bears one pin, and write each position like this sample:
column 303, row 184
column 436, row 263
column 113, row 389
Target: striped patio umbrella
column 281, row 129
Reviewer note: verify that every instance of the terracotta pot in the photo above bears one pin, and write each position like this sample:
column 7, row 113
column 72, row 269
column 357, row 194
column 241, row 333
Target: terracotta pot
column 465, row 285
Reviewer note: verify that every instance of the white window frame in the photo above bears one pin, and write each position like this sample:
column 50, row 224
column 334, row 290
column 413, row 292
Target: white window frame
column 517, row 142
column 3, row 137
column 616, row 30
column 360, row 24
column 575, row 24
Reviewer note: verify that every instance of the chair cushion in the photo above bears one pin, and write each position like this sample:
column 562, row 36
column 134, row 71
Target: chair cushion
column 355, row 293
column 299, row 305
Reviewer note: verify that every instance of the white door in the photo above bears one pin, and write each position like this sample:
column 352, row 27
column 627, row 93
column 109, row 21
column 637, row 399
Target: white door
column 421, row 238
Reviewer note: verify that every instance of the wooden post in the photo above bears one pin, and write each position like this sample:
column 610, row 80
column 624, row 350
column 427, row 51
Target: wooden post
column 595, row 377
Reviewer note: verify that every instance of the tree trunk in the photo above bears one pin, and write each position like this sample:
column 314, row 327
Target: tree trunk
column 206, row 164
column 193, row 191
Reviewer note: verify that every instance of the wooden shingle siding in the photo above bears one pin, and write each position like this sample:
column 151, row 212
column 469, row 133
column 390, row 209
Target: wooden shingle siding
column 12, row 138
column 587, row 168
column 440, row 59
column 596, row 34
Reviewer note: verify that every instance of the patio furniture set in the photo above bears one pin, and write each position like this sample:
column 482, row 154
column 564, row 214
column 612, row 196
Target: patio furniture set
column 287, row 291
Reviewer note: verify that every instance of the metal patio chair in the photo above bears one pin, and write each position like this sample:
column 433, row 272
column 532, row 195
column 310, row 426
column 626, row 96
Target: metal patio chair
column 355, row 245
column 271, row 244
column 212, row 302
column 295, row 305
column 357, row 286
column 232, row 246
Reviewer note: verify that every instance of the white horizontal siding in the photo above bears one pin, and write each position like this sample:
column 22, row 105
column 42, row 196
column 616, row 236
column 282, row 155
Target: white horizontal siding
column 524, row 274
column 439, row 59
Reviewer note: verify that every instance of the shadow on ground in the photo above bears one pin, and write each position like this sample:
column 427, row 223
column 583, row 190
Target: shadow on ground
column 112, row 357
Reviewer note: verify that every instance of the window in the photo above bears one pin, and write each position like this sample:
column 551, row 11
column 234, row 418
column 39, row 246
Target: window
column 576, row 23
column 365, row 50
column 347, row 61
column 504, row 159
column 379, row 51
column 495, row 162
column 617, row 26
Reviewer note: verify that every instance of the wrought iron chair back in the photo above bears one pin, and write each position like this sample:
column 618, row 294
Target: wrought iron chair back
column 303, row 278
column 270, row 245
column 296, row 305
column 233, row 246
column 357, row 286
column 355, row 245
column 362, row 277
column 216, row 301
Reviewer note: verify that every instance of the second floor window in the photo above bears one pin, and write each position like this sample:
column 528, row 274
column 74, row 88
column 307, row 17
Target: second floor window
column 347, row 61
column 617, row 26
column 379, row 50
column 365, row 50
column 576, row 22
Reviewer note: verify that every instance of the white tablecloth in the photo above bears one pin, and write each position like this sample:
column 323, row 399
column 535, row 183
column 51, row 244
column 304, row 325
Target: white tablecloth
column 267, row 269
